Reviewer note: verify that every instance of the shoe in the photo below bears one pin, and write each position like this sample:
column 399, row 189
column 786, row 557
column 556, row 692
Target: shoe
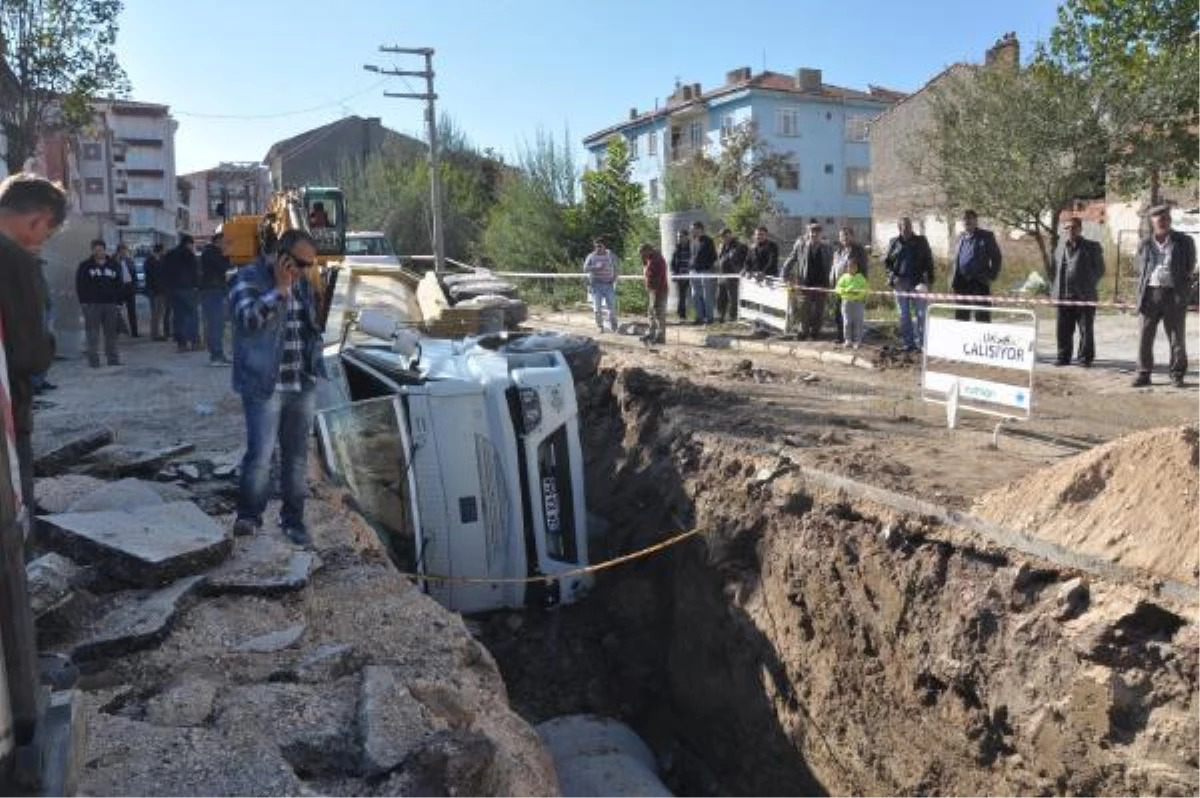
column 244, row 527
column 1177, row 381
column 1141, row 380
column 298, row 535
column 1087, row 364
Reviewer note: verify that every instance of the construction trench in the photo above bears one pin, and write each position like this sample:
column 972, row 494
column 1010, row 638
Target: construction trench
column 809, row 642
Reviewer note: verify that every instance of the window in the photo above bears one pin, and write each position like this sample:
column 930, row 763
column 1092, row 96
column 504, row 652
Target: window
column 696, row 135
column 119, row 150
column 728, row 126
column 857, row 127
column 787, row 122
column 652, row 143
column 633, row 146
column 828, row 168
column 92, row 151
column 653, row 192
column 93, row 185
column 856, row 180
column 789, row 178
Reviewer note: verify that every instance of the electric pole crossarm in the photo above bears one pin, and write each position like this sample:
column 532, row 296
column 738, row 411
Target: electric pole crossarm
column 425, row 51
column 410, row 96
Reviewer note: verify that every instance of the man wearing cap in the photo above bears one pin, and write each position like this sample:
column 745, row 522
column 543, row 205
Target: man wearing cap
column 1167, row 260
column 213, row 268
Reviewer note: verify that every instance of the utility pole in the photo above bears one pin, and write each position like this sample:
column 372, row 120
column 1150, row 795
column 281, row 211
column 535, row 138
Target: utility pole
column 435, row 176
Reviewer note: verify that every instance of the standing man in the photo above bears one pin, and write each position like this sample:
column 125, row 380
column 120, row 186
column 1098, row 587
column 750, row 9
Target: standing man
column 909, row 262
column 101, row 293
column 703, row 259
column 31, row 209
column 129, row 281
column 655, row 270
column 680, row 260
column 763, row 258
column 213, row 266
column 183, row 277
column 276, row 363
column 1078, row 268
column 974, row 267
column 1167, row 260
column 807, row 271
column 160, row 315
column 601, row 268
column 731, row 260
column 848, row 251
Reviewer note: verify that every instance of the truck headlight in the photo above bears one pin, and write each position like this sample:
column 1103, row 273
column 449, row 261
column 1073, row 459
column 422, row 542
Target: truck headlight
column 531, row 409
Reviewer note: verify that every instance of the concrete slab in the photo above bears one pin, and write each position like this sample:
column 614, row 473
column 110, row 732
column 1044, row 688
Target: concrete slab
column 116, row 461
column 63, row 494
column 146, row 546
column 263, row 566
column 139, row 623
column 54, row 454
column 123, row 495
column 391, row 721
column 272, row 641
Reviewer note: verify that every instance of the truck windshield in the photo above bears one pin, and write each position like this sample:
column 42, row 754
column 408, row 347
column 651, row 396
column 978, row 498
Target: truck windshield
column 558, row 497
column 369, row 245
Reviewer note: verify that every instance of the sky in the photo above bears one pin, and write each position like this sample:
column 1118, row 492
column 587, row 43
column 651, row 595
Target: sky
column 240, row 76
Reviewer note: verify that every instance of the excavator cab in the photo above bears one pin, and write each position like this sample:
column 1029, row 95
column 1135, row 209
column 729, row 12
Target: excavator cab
column 325, row 214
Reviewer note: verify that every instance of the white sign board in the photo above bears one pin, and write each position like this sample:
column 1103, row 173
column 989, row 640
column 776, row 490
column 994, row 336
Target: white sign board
column 985, row 368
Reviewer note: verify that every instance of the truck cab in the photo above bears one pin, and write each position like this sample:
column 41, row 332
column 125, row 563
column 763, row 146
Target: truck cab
column 466, row 456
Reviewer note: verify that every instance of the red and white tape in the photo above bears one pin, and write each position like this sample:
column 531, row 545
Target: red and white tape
column 7, row 422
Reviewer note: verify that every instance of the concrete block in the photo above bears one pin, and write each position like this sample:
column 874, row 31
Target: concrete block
column 140, row 622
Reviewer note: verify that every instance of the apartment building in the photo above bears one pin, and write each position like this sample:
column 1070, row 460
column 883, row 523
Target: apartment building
column 243, row 187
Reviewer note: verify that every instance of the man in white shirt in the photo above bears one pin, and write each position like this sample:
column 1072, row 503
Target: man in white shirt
column 601, row 268
column 1167, row 259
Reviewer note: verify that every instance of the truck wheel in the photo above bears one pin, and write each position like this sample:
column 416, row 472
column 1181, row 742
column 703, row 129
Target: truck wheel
column 581, row 353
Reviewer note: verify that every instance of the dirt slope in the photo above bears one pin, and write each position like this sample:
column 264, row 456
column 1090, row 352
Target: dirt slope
column 1132, row 501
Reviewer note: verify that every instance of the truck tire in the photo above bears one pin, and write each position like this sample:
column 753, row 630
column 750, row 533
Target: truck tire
column 581, row 353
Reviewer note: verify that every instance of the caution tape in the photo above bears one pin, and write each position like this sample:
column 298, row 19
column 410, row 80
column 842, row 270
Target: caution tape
column 551, row 578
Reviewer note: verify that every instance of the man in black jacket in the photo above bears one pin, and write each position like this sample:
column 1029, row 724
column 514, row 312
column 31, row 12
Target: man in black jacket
column 763, row 258
column 731, row 260
column 680, row 259
column 213, row 267
column 1078, row 267
column 129, row 280
column 974, row 267
column 1167, row 261
column 31, row 209
column 101, row 293
column 909, row 262
column 704, row 258
column 807, row 269
column 183, row 276
column 156, row 289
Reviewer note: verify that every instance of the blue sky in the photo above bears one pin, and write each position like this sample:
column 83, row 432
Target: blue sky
column 506, row 69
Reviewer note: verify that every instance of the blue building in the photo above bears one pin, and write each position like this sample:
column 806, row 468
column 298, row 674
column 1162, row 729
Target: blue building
column 822, row 129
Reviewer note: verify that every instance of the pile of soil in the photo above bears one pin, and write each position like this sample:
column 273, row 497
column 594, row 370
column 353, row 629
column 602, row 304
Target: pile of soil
column 1132, row 501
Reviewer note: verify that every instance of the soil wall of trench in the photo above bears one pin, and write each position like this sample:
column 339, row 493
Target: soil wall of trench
column 806, row 644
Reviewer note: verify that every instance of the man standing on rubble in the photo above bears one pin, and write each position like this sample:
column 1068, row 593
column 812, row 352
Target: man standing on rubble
column 276, row 364
column 31, row 209
column 655, row 271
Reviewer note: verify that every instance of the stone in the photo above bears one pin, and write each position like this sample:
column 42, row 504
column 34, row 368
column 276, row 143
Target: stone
column 57, row 494
column 146, row 546
column 313, row 726
column 273, row 641
column 116, row 460
column 54, row 454
column 1073, row 597
column 189, row 471
column 263, row 566
column 391, row 721
column 138, row 623
column 329, row 662
column 452, row 762
column 227, row 471
column 122, row 495
column 189, row 703
column 51, row 580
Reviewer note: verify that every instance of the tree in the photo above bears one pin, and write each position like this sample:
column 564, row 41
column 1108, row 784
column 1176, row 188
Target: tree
column 1138, row 58
column 612, row 203
column 61, row 53
column 1018, row 144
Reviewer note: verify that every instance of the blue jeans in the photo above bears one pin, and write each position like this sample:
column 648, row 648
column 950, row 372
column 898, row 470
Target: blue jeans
column 212, row 302
column 704, row 297
column 605, row 294
column 911, row 310
column 183, row 312
column 287, row 416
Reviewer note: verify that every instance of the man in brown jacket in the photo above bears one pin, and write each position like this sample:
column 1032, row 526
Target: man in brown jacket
column 31, row 209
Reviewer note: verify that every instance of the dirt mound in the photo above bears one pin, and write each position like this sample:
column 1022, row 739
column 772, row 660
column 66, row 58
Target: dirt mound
column 1132, row 501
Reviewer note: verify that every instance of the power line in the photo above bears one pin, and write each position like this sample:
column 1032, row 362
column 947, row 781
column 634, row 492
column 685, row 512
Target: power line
column 297, row 112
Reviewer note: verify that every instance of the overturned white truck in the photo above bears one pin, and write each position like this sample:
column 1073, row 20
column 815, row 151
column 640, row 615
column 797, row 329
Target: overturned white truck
column 465, row 455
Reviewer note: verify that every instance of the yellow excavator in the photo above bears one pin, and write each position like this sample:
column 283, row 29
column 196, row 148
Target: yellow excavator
column 319, row 211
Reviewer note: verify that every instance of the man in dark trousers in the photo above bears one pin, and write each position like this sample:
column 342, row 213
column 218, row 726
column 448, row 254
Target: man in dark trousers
column 31, row 209
column 704, row 258
column 807, row 269
column 654, row 270
column 129, row 281
column 909, row 262
column 156, row 289
column 680, row 258
column 1078, row 267
column 1167, row 260
column 183, row 275
column 101, row 293
column 731, row 260
column 213, row 267
column 974, row 267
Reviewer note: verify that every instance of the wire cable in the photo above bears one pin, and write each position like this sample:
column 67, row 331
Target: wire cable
column 281, row 114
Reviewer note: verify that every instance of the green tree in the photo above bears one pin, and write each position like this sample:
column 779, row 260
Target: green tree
column 1018, row 144
column 62, row 54
column 1139, row 59
column 612, row 204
